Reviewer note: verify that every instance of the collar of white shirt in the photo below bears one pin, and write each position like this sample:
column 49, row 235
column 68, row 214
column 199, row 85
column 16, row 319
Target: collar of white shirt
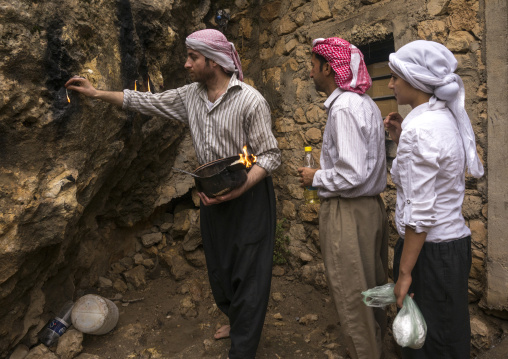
column 418, row 110
column 333, row 96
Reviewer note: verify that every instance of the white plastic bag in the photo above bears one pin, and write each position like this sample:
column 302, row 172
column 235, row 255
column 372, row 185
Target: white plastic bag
column 409, row 327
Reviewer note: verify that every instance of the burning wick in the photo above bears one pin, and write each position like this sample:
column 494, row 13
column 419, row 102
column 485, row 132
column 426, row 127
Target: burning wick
column 246, row 159
column 67, row 94
column 136, row 85
column 148, row 83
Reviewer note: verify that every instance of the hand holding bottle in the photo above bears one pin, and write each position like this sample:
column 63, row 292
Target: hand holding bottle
column 307, row 176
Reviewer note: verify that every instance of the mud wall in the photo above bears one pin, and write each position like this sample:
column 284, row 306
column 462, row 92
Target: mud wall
column 496, row 15
column 77, row 179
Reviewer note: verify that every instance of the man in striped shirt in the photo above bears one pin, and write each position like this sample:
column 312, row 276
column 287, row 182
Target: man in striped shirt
column 352, row 218
column 237, row 228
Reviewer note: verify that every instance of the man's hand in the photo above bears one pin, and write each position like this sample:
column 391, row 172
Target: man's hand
column 413, row 244
column 237, row 192
column 255, row 175
column 306, row 176
column 83, row 86
column 393, row 124
column 402, row 288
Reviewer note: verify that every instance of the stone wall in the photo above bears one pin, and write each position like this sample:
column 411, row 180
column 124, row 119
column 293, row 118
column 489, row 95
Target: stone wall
column 286, row 31
column 78, row 179
column 285, row 48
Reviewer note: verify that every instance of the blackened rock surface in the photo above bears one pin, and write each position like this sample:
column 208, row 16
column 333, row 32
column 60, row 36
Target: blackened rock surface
column 71, row 174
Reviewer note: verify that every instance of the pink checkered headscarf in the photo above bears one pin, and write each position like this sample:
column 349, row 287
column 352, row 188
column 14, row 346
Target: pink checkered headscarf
column 347, row 61
column 214, row 45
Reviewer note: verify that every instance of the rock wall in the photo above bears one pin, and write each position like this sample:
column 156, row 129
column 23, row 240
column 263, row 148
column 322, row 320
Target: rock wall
column 70, row 173
column 78, row 179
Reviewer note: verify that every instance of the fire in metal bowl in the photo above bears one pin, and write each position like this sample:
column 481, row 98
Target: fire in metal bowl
column 219, row 177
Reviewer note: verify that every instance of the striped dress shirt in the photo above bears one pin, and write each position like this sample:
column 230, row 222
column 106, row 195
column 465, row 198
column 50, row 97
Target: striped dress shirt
column 353, row 161
column 241, row 116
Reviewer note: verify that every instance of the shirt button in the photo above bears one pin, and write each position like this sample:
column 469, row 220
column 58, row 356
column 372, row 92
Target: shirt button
column 408, row 201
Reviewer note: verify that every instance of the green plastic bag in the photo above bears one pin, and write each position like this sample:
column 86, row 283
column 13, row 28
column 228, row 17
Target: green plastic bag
column 379, row 296
column 409, row 327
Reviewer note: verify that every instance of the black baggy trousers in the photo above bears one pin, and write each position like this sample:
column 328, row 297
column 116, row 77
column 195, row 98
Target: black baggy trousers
column 238, row 240
column 440, row 284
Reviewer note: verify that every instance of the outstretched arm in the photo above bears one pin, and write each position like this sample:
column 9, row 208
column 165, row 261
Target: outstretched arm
column 83, row 86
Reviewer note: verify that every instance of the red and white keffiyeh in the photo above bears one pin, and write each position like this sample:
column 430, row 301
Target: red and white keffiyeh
column 214, row 45
column 347, row 61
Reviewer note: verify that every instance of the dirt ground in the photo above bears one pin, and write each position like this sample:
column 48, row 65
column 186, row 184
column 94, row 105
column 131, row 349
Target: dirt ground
column 170, row 319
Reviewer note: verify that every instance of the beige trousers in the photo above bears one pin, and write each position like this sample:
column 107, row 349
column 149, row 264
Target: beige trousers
column 354, row 243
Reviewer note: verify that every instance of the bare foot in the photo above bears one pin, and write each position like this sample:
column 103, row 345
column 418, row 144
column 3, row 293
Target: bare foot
column 222, row 332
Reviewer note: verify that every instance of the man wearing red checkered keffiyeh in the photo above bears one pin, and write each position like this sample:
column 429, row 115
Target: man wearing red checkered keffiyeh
column 347, row 61
column 353, row 228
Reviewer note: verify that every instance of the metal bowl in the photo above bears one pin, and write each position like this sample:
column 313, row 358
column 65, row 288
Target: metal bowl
column 219, row 177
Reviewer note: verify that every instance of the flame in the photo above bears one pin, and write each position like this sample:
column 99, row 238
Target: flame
column 148, row 77
column 135, row 85
column 246, row 159
column 67, row 94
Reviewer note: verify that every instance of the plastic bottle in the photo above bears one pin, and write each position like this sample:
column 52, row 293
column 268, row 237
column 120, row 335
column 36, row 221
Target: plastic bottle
column 310, row 193
column 56, row 327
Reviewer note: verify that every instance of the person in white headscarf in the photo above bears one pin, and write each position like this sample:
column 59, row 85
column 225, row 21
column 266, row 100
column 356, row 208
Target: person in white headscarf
column 435, row 146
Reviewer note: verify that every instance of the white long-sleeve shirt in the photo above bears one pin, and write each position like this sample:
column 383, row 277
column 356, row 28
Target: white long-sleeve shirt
column 353, row 160
column 241, row 116
column 429, row 172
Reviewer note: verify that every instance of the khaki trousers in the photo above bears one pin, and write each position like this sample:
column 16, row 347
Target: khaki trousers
column 354, row 244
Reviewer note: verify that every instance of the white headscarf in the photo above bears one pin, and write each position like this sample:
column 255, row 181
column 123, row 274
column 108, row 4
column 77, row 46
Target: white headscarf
column 429, row 67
